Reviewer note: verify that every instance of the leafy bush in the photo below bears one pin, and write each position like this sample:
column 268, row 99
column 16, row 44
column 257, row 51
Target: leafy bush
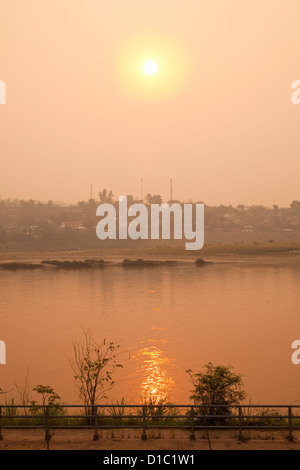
column 216, row 389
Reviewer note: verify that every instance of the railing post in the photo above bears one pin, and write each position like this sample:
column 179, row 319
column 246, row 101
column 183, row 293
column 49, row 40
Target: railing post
column 192, row 436
column 96, row 435
column 290, row 436
column 1, row 435
column 240, row 438
column 47, row 428
column 144, row 435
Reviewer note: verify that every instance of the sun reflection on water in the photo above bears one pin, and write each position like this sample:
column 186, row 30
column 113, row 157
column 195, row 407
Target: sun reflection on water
column 157, row 384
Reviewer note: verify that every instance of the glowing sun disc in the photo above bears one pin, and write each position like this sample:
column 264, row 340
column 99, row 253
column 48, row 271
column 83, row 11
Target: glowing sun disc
column 150, row 67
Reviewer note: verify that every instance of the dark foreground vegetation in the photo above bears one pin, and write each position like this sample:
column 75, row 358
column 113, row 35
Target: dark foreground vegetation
column 217, row 401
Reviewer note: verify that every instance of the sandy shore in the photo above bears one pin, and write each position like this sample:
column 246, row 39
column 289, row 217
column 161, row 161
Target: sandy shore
column 83, row 440
column 231, row 254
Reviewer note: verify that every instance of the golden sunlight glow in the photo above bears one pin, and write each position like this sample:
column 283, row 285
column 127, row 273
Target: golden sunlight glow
column 156, row 382
column 151, row 67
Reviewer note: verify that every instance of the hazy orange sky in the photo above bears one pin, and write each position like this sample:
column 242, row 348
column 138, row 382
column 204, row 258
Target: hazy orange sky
column 228, row 134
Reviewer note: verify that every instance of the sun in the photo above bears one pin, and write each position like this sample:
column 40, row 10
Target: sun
column 150, row 67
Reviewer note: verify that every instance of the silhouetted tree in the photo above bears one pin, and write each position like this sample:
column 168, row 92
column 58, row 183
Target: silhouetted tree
column 215, row 386
column 93, row 365
column 155, row 199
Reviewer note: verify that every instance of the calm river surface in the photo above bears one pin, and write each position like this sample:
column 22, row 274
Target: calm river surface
column 167, row 320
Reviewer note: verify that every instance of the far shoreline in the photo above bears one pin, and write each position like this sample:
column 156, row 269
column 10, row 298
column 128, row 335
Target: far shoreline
column 286, row 252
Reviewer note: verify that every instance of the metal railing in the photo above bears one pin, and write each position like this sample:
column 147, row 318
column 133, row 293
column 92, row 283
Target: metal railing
column 146, row 417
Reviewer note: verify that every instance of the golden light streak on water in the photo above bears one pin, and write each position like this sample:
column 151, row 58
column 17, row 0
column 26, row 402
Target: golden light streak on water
column 157, row 384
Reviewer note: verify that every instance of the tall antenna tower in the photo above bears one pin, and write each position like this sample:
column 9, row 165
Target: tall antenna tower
column 171, row 189
column 91, row 192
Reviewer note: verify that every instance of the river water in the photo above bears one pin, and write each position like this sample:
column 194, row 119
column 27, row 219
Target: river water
column 166, row 319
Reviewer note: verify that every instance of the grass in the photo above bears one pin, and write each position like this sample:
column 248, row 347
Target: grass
column 115, row 416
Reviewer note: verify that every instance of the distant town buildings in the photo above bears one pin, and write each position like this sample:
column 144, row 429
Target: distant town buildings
column 31, row 224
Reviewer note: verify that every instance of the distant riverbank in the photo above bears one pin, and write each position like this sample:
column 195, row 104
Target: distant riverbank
column 271, row 252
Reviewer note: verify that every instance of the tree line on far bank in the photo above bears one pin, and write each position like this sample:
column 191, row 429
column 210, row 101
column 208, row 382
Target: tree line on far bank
column 30, row 225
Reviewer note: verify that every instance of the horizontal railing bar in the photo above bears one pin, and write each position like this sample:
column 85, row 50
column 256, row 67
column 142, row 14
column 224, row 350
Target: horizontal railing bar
column 187, row 417
column 199, row 428
column 196, row 417
column 151, row 406
column 245, row 428
column 242, row 417
column 50, row 427
column 164, row 417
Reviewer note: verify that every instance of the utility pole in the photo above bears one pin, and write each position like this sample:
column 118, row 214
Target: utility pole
column 171, row 189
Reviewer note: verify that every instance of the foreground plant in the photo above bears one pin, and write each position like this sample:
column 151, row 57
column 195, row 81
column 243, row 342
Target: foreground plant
column 93, row 365
column 48, row 408
column 49, row 399
column 217, row 389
